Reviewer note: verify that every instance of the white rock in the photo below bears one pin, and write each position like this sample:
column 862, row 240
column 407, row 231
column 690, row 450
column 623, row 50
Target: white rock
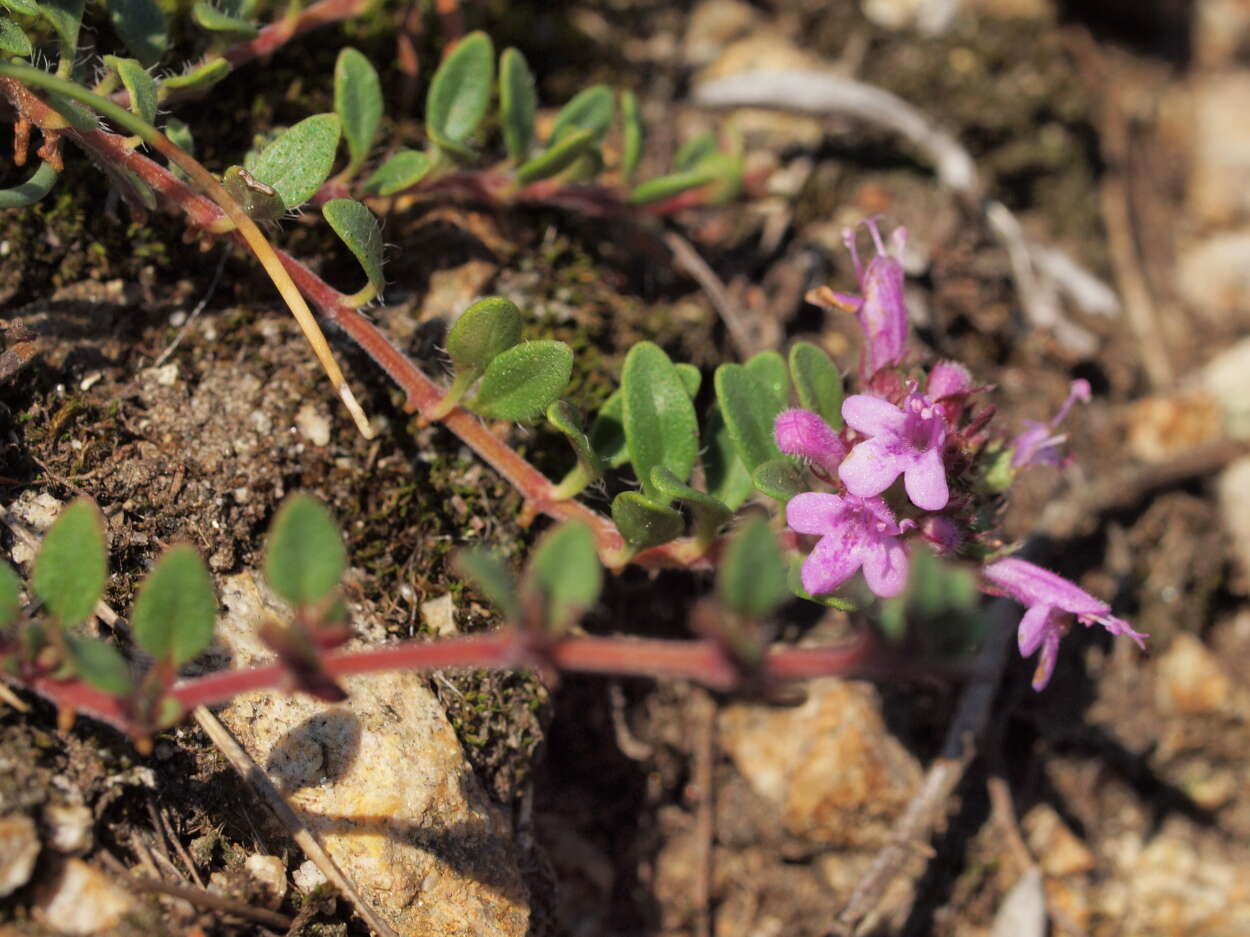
column 69, row 827
column 308, row 876
column 19, row 847
column 1219, row 182
column 382, row 782
column 439, row 615
column 313, row 424
column 80, row 901
column 1224, row 378
column 270, row 872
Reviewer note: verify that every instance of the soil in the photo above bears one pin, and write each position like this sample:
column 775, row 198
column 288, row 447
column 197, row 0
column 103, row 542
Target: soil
column 203, row 446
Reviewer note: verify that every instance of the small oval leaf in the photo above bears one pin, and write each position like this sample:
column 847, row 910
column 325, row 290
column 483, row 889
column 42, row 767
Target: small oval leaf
column 694, row 151
column 769, row 368
column 139, row 85
column 213, row 20
column 199, row 79
column 518, row 103
column 359, row 230
column 176, row 609
column 304, row 556
column 607, row 432
column 142, row 26
column 780, row 479
column 486, row 329
column 665, row 187
column 66, row 18
column 568, row 420
column 566, row 574
column 459, row 93
column 817, row 382
column 643, row 522
column 751, row 579
column 491, row 578
column 520, row 383
column 633, row 134
column 726, row 475
column 557, row 158
column 10, row 596
column 99, row 664
column 710, row 513
column 72, row 564
column 358, row 103
column 749, row 409
column 659, row 419
column 590, row 109
column 13, row 39
column 300, row 159
column 691, row 377
column 261, row 202
column 402, row 171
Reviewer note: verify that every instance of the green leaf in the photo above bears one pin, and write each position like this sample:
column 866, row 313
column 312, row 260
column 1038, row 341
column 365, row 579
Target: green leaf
column 402, row 171
column 769, row 368
column 66, row 18
column 518, row 103
column 75, row 114
column 176, row 609
column 520, row 383
column 691, row 378
column 660, row 424
column 633, row 134
column 590, row 109
column 710, row 513
column 751, row 579
column 749, row 408
column 817, row 381
column 359, row 230
column 199, row 79
column 565, row 572
column 260, row 201
column 557, row 158
column 300, row 159
column 662, row 188
column 142, row 26
column 304, row 556
column 214, row 20
column 780, row 479
column 179, row 135
column 21, row 7
column 358, row 103
column 139, row 85
column 643, row 522
column 607, row 432
column 72, row 564
column 27, row 193
column 568, row 420
column 726, row 476
column 485, row 330
column 491, row 578
column 10, row 596
column 13, row 39
column 99, row 664
column 459, row 94
column 694, row 151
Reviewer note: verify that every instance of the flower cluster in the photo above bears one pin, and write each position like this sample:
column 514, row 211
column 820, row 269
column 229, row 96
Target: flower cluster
column 926, row 429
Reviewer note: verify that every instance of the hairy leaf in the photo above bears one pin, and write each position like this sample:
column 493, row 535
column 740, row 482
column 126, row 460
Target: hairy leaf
column 142, row 26
column 486, row 329
column 817, row 382
column 66, row 18
column 520, row 383
column 607, row 432
column 659, row 419
column 751, row 579
column 644, row 522
column 710, row 513
column 665, row 187
column 138, row 84
column 769, row 368
column 590, row 109
column 459, row 93
column 749, row 408
column 359, row 230
column 260, row 201
column 176, row 609
column 304, row 556
column 726, row 474
column 72, row 564
column 403, row 170
column 13, row 39
column 518, row 103
column 780, row 479
column 99, row 664
column 21, row 7
column 691, row 378
column 565, row 571
column 27, row 193
column 217, row 21
column 300, row 159
column 557, row 158
column 199, row 79
column 358, row 103
column 568, row 420
column 633, row 134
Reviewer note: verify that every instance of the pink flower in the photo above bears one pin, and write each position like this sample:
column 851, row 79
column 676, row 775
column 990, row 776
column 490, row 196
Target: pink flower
column 854, row 533
column 1038, row 442
column 804, row 434
column 948, row 379
column 906, row 441
column 1051, row 601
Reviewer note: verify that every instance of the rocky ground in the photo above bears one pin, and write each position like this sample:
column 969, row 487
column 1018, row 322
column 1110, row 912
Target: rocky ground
column 1114, row 803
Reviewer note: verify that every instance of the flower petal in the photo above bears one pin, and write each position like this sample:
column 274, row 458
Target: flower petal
column 814, row 512
column 834, row 560
column 1034, row 627
column 925, row 481
column 871, row 468
column 885, row 567
column 872, row 416
column 1046, row 662
column 1030, row 584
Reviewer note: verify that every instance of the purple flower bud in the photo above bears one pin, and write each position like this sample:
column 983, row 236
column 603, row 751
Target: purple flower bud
column 883, row 313
column 855, row 533
column 948, row 379
column 1038, row 442
column 906, row 441
column 943, row 533
column 1051, row 601
column 804, row 434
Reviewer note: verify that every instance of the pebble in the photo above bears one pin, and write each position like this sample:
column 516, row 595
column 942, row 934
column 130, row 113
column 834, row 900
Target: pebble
column 439, row 615
column 1213, row 274
column 19, row 847
column 1190, row 679
column 313, row 424
column 1219, row 181
column 1058, row 850
column 270, row 872
column 68, row 827
column 79, row 901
